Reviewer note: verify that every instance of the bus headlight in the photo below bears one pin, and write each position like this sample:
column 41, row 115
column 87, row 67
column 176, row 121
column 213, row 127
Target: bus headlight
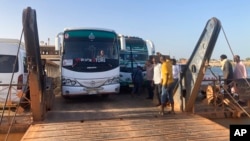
column 73, row 82
column 68, row 82
column 114, row 80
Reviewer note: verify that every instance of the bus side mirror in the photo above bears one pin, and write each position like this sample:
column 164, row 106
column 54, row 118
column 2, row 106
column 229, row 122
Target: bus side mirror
column 123, row 44
column 151, row 46
column 57, row 43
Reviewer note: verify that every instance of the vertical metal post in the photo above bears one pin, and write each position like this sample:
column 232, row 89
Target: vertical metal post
column 36, row 72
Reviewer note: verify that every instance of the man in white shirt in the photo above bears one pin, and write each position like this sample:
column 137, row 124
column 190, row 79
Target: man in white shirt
column 176, row 74
column 157, row 79
column 239, row 72
column 239, row 69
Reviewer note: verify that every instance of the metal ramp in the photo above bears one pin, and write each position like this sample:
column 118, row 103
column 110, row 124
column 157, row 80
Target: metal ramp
column 172, row 127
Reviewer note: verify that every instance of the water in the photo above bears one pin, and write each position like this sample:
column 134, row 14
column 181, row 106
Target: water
column 218, row 72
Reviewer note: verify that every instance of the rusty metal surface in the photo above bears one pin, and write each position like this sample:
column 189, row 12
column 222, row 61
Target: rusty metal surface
column 172, row 127
column 120, row 117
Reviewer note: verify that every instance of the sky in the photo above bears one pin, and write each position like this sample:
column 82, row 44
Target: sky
column 174, row 26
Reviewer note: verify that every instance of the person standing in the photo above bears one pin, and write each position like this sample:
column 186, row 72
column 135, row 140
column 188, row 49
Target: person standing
column 137, row 79
column 171, row 84
column 157, row 79
column 227, row 69
column 239, row 69
column 176, row 74
column 240, row 72
column 149, row 77
column 158, row 54
column 167, row 80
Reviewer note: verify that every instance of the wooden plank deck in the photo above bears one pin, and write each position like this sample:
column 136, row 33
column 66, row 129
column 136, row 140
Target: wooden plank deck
column 180, row 126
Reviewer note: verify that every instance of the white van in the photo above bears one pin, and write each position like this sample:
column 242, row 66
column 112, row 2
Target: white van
column 8, row 55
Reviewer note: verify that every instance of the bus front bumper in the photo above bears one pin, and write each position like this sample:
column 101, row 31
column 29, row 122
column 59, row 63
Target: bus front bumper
column 106, row 89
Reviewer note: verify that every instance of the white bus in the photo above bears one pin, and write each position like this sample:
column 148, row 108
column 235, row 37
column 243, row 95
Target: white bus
column 134, row 52
column 83, row 70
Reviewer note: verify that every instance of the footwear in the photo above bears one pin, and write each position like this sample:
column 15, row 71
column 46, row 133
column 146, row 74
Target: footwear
column 157, row 105
column 171, row 112
column 161, row 113
column 162, row 110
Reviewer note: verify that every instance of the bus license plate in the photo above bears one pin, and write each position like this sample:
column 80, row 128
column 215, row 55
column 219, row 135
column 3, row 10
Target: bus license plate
column 92, row 92
column 131, row 85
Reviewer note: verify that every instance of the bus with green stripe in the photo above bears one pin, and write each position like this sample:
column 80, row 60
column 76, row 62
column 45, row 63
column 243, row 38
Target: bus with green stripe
column 134, row 51
column 83, row 70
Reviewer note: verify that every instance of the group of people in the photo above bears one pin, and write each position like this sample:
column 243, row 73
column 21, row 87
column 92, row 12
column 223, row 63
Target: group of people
column 162, row 75
column 231, row 73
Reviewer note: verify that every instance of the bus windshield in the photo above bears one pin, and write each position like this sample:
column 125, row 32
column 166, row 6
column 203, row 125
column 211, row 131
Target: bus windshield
column 135, row 44
column 90, row 51
column 135, row 54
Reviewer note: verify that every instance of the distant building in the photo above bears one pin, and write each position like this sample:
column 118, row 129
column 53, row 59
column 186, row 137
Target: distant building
column 49, row 53
column 48, row 50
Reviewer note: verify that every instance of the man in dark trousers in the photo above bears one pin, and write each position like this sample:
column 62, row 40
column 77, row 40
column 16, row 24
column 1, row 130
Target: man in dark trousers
column 149, row 78
column 227, row 69
column 137, row 79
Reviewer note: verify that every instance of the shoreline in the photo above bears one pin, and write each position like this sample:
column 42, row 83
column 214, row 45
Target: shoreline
column 217, row 63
